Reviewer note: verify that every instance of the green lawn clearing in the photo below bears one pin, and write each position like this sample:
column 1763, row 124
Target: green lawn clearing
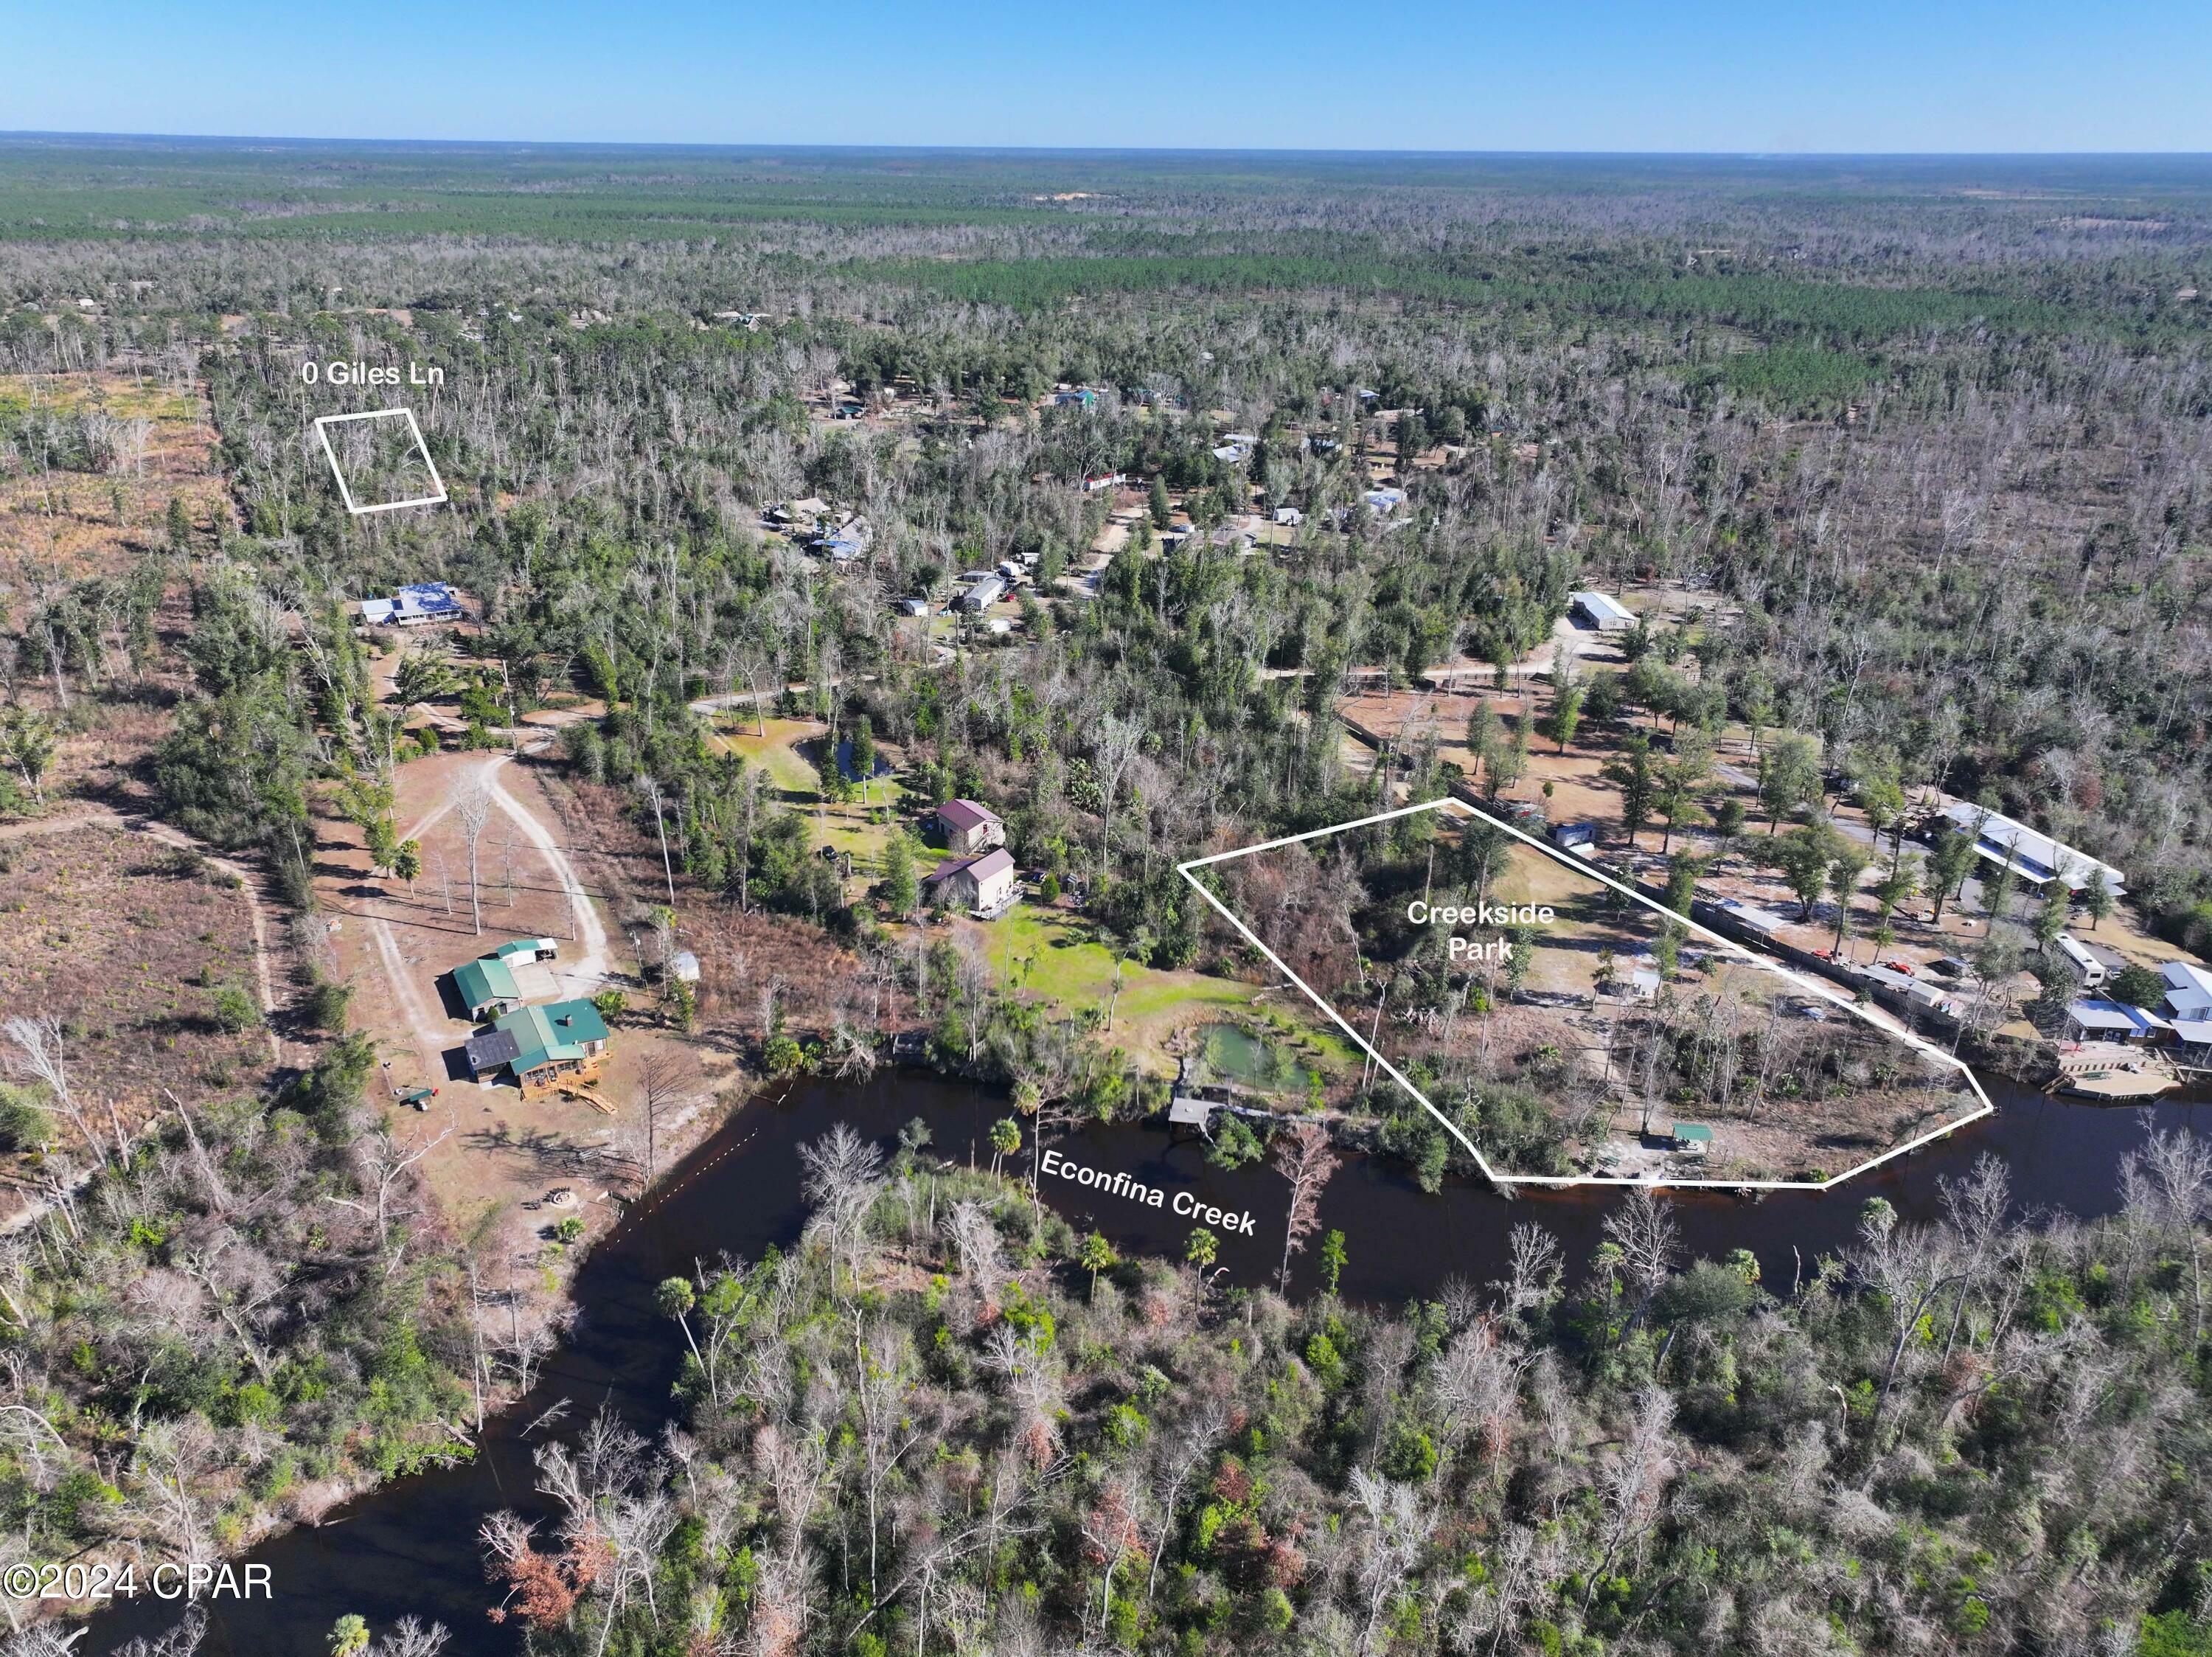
column 1053, row 954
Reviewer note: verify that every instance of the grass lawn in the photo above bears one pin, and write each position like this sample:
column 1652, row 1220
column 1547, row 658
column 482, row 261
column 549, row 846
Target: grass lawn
column 1051, row 953
column 792, row 776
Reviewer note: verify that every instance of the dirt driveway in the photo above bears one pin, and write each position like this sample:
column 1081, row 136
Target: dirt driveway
column 496, row 1156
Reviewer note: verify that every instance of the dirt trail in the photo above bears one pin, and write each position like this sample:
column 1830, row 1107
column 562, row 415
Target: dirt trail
column 427, row 1028
column 587, row 975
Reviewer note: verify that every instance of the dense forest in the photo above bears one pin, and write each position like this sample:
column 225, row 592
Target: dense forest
column 988, row 1434
column 1930, row 445
column 1954, row 482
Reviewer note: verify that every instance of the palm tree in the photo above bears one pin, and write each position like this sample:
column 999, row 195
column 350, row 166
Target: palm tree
column 1097, row 1256
column 1006, row 1140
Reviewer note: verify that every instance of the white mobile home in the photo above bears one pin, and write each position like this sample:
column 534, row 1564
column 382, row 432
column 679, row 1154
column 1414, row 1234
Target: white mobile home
column 982, row 595
column 2093, row 965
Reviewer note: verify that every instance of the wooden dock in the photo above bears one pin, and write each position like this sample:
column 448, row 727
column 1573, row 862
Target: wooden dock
column 2111, row 1072
column 2117, row 1087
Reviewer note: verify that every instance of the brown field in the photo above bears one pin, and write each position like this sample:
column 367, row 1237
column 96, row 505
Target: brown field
column 126, row 939
column 590, row 888
column 500, row 1155
column 80, row 523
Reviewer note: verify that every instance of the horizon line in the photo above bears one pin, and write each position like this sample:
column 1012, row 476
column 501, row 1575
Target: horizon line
column 45, row 135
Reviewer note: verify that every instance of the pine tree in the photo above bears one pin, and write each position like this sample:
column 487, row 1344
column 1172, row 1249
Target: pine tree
column 900, row 886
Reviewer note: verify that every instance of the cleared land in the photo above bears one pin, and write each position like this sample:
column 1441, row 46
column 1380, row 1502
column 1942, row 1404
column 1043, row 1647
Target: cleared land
column 111, row 451
column 786, row 755
column 1052, row 954
column 128, row 942
column 501, row 1156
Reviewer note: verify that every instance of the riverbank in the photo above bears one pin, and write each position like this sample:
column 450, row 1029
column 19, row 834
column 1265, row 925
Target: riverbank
column 410, row 1548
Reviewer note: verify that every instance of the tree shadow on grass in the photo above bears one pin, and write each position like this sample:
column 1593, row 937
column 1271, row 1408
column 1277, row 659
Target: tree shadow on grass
column 539, row 1152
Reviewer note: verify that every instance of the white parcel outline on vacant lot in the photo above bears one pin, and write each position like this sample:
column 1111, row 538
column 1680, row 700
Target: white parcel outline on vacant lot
column 1796, row 980
column 324, row 422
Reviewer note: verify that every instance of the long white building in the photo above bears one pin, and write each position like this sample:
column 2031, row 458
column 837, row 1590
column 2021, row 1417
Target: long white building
column 2034, row 859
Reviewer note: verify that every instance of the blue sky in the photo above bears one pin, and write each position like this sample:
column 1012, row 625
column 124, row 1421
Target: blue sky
column 1781, row 75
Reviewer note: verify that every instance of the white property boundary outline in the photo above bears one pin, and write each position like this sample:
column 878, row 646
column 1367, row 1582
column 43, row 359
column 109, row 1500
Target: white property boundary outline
column 1910, row 1038
column 324, row 422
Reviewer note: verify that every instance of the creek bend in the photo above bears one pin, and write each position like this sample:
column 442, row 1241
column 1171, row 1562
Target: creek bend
column 410, row 1546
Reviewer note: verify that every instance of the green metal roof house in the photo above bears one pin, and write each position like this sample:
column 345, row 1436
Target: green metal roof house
column 1694, row 1138
column 554, row 1041
column 527, row 949
column 487, row 988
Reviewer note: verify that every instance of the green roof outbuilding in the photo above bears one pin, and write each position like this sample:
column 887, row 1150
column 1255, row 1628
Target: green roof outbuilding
column 485, row 983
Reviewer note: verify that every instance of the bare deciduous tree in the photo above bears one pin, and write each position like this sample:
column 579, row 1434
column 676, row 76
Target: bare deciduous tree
column 39, row 1052
column 844, row 1174
column 667, row 1083
column 1303, row 1157
column 473, row 810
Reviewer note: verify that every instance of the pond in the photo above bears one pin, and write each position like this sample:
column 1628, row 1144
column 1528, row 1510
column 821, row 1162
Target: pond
column 1231, row 1053
column 410, row 1546
column 850, row 771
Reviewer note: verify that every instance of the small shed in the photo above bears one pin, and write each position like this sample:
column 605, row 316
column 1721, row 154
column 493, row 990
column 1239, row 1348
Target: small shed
column 1573, row 836
column 527, row 949
column 1692, row 1138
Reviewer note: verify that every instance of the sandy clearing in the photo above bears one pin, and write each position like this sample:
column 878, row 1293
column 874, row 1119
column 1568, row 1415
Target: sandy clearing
column 587, row 975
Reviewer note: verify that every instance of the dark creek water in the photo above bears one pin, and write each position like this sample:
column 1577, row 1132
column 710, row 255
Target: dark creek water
column 410, row 1547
